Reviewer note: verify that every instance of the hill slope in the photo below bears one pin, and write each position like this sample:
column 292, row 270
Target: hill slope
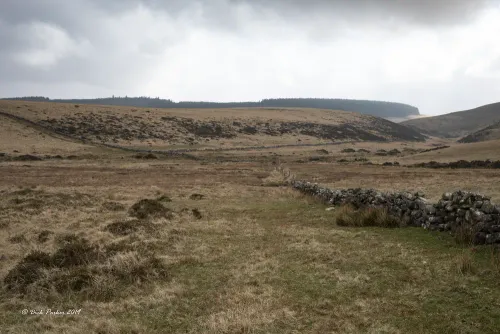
column 457, row 124
column 16, row 137
column 491, row 132
column 240, row 127
column 376, row 108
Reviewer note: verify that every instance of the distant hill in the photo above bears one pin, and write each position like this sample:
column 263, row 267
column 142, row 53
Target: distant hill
column 491, row 132
column 199, row 128
column 375, row 108
column 457, row 124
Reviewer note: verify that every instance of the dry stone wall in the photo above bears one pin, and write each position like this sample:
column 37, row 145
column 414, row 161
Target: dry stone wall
column 454, row 210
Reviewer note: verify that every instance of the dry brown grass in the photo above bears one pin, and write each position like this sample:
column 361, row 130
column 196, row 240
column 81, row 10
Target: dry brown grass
column 279, row 176
column 241, row 258
column 15, row 136
column 347, row 215
column 431, row 182
column 260, row 259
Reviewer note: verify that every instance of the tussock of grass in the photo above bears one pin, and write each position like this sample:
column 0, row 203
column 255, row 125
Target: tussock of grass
column 81, row 269
column 133, row 268
column 75, row 251
column 27, row 271
column 113, row 206
column 164, row 198
column 280, row 176
column 465, row 263
column 43, row 236
column 346, row 215
column 16, row 239
column 127, row 227
column 465, row 234
column 32, row 201
column 196, row 197
column 150, row 208
column 196, row 213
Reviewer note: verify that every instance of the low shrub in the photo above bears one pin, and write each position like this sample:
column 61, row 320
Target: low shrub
column 347, row 215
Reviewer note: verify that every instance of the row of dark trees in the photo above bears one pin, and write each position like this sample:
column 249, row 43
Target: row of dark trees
column 376, row 108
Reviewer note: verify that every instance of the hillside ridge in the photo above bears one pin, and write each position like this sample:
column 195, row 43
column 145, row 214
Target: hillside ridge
column 368, row 107
column 457, row 124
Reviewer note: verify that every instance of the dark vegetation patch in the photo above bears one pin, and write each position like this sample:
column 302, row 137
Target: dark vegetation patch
column 356, row 160
column 27, row 271
column 348, row 150
column 17, row 239
column 250, row 130
column 318, row 159
column 322, row 151
column 34, row 201
column 127, row 227
column 27, row 157
column 150, row 208
column 164, row 199
column 113, row 206
column 196, row 196
column 394, row 152
column 80, row 269
column 489, row 164
column 146, row 156
column 434, row 149
column 74, row 251
column 197, row 214
column 362, row 150
column 43, row 236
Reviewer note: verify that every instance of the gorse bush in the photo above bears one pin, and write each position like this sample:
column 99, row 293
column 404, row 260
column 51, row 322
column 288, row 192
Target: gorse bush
column 347, row 215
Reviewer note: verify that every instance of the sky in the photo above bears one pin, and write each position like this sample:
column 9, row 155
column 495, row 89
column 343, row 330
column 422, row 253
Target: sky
column 438, row 55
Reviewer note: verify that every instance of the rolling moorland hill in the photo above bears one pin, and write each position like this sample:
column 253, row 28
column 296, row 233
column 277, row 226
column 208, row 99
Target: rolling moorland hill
column 195, row 128
column 457, row 124
column 213, row 245
column 22, row 138
column 491, row 132
column 375, row 108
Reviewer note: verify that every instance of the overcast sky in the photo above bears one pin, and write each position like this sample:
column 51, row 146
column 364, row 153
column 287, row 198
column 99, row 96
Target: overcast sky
column 438, row 55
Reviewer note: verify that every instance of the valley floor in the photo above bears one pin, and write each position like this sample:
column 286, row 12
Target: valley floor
column 241, row 258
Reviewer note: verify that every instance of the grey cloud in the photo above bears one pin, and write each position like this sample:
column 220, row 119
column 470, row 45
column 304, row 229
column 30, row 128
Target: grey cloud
column 120, row 50
column 426, row 12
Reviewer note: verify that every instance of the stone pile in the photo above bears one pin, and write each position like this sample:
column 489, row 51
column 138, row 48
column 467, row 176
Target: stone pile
column 459, row 209
column 466, row 209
